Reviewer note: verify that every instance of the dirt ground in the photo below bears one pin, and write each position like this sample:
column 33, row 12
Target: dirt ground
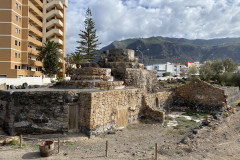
column 219, row 141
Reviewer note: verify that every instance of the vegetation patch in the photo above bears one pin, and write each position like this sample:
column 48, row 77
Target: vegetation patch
column 70, row 144
column 184, row 123
column 14, row 142
column 196, row 114
column 236, row 103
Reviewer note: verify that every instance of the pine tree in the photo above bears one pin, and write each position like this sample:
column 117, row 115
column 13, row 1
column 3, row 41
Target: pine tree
column 89, row 40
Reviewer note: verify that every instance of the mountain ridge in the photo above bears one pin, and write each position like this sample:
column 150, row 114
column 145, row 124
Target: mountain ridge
column 164, row 49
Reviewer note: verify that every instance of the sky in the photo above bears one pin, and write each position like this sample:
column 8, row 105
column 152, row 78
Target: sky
column 122, row 19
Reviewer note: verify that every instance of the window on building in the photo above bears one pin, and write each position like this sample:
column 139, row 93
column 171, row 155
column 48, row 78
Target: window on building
column 19, row 67
column 19, row 43
column 16, row 42
column 16, row 30
column 17, row 5
column 16, row 67
column 19, row 31
column 16, row 55
column 16, row 17
column 20, row 19
column 19, row 76
column 20, row 8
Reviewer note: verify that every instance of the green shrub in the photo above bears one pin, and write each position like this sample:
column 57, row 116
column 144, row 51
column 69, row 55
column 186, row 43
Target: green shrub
column 60, row 79
column 166, row 74
column 14, row 142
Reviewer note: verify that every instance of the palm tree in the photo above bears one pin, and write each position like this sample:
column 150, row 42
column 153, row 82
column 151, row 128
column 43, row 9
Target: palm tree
column 77, row 58
column 50, row 55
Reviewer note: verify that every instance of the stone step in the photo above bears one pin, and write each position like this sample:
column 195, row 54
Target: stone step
column 93, row 71
column 84, row 77
column 103, row 85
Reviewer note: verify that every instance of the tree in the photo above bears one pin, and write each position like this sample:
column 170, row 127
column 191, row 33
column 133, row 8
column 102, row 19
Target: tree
column 183, row 72
column 49, row 54
column 229, row 65
column 206, row 72
column 89, row 40
column 217, row 66
column 165, row 74
column 76, row 58
column 192, row 71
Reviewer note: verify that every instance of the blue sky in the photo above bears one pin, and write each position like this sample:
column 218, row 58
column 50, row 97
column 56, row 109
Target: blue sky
column 122, row 19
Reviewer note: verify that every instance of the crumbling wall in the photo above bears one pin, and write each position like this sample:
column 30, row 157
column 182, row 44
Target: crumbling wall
column 198, row 95
column 35, row 112
column 160, row 100
column 140, row 78
column 232, row 94
column 41, row 112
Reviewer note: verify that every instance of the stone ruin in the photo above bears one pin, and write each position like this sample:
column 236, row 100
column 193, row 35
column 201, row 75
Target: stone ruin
column 100, row 97
column 116, row 69
column 104, row 96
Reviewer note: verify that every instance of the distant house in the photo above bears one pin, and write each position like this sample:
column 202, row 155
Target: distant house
column 194, row 64
column 173, row 68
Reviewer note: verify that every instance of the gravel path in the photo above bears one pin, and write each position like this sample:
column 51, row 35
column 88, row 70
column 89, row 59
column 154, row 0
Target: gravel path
column 219, row 142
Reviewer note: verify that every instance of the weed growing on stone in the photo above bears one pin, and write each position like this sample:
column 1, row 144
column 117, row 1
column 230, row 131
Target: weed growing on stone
column 196, row 114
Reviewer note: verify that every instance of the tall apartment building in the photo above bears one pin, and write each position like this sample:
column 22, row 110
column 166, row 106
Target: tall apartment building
column 24, row 26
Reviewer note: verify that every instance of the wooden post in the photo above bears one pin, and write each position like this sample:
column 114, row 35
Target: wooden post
column 58, row 145
column 156, row 149
column 106, row 148
column 20, row 141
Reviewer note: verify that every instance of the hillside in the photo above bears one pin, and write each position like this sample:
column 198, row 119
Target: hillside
column 162, row 49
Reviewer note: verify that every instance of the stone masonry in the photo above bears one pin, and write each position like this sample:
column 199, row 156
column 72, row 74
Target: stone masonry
column 202, row 96
column 102, row 96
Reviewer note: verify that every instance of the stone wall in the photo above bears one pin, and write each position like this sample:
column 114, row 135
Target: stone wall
column 160, row 100
column 114, row 109
column 199, row 95
column 232, row 94
column 140, row 78
column 35, row 112
column 41, row 112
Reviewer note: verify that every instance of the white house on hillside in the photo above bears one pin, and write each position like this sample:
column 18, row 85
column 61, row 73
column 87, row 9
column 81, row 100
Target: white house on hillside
column 173, row 68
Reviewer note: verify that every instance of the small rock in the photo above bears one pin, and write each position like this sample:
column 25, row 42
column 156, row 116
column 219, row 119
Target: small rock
column 195, row 131
column 24, row 86
column 185, row 140
column 111, row 132
column 12, row 87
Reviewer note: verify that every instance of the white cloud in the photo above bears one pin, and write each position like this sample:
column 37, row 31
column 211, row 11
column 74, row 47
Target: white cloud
column 121, row 19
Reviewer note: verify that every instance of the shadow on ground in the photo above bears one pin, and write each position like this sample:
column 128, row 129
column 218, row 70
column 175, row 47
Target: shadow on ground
column 31, row 155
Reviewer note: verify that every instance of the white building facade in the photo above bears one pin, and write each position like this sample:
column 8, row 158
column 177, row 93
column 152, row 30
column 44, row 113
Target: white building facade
column 173, row 68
